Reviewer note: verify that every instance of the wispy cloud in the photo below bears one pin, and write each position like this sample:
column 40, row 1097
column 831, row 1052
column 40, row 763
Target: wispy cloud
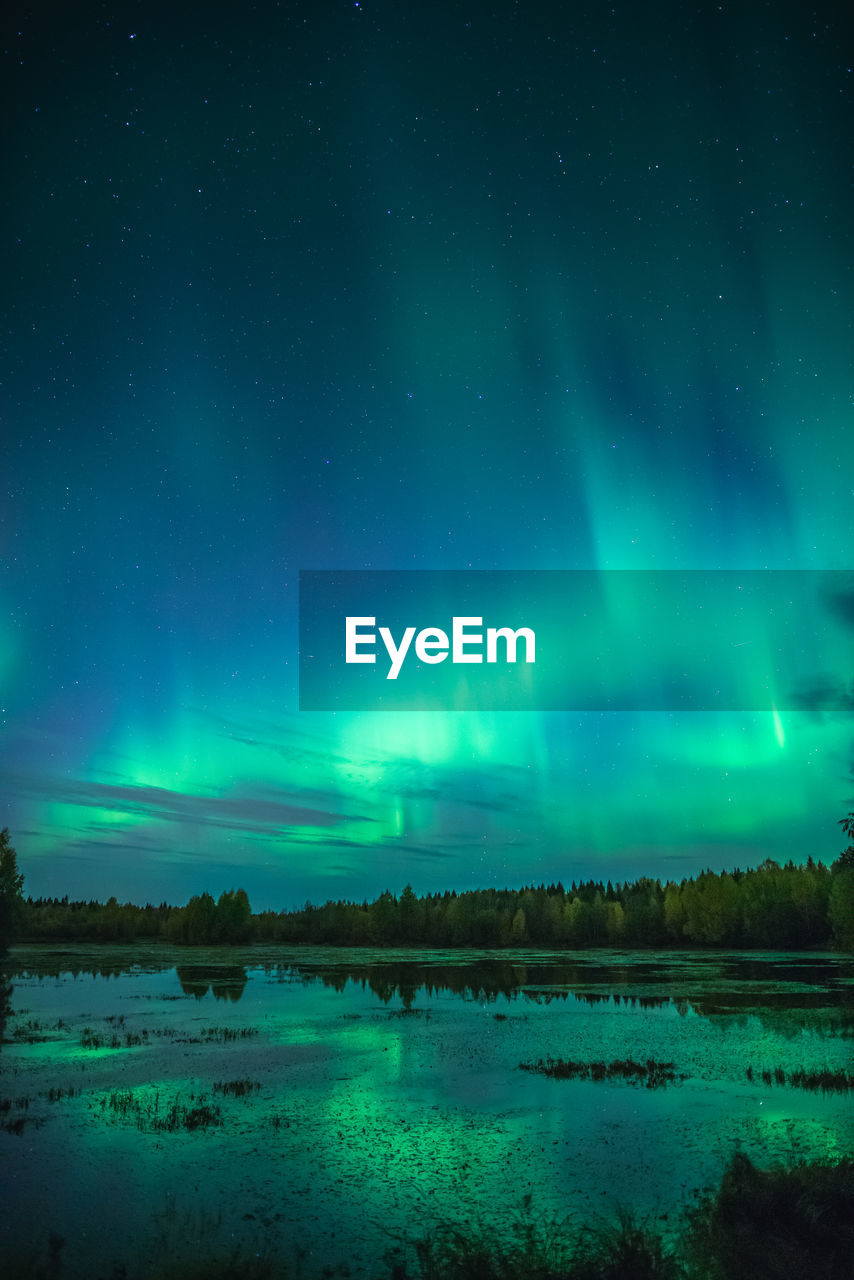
column 237, row 812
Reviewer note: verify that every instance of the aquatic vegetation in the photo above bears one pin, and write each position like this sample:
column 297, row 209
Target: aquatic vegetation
column 524, row 1245
column 227, row 1034
column 630, row 1249
column 652, row 1074
column 784, row 1223
column 57, row 1094
column 16, row 1124
column 90, row 1039
column 6, row 1104
column 114, row 1039
column 821, row 1079
column 30, row 1031
column 145, row 1109
column 529, row 1246
column 306, row 1146
column 200, row 1117
column 237, row 1088
column 121, row 1101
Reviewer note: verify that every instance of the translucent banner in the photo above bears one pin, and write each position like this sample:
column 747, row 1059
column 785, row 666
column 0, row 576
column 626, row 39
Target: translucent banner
column 576, row 640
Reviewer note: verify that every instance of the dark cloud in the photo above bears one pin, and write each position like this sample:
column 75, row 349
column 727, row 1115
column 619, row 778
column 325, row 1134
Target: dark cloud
column 241, row 813
column 323, row 841
column 841, row 605
column 822, row 693
column 500, row 804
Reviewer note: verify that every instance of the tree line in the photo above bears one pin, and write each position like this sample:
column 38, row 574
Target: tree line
column 771, row 906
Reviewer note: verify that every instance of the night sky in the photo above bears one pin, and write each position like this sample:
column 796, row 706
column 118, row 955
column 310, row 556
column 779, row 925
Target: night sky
column 394, row 286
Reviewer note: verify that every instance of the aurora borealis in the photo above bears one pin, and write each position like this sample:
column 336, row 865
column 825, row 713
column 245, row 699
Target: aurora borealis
column 381, row 286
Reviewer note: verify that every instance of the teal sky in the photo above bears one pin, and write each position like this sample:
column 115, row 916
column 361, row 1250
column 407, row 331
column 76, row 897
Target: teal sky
column 376, row 286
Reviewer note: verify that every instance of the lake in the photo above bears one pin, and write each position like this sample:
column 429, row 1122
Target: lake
column 365, row 1095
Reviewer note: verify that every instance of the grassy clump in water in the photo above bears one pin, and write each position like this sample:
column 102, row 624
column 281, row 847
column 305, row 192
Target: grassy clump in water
column 67, row 1091
column 30, row 1031
column 227, row 1034
column 22, row 1103
column 823, row 1079
column 650, row 1073
column 237, row 1088
column 16, row 1124
column 90, row 1039
column 173, row 1118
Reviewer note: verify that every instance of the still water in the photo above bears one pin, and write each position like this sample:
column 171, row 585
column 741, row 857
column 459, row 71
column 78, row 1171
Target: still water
column 374, row 1093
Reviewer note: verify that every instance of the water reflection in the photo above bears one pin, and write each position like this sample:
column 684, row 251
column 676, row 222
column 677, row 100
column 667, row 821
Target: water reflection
column 224, row 982
column 5, row 1003
column 807, row 995
column 788, row 992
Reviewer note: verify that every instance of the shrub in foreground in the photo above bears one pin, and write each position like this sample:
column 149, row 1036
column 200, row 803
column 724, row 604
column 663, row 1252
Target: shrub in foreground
column 793, row 1223
column 775, row 1224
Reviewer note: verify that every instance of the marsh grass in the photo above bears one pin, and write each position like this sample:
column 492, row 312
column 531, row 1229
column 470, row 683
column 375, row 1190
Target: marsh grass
column 17, row 1125
column 651, row 1074
column 630, row 1249
column 90, row 1039
column 57, row 1094
column 529, row 1246
column 119, row 1039
column 21, row 1103
column 792, row 1223
column 784, row 1223
column 227, row 1034
column 524, row 1246
column 237, row 1088
column 173, row 1117
column 822, row 1080
column 31, row 1031
column 117, row 1036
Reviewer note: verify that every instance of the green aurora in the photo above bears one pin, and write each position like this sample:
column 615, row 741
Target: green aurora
column 368, row 286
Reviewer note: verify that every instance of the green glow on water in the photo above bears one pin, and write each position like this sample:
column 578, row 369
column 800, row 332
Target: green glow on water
column 368, row 1117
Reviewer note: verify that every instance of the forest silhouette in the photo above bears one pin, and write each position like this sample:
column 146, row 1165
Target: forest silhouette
column 771, row 907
